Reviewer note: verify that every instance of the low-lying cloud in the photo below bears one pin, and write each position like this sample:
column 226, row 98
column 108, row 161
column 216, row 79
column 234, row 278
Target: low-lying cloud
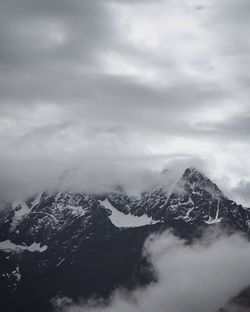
column 89, row 173
column 201, row 277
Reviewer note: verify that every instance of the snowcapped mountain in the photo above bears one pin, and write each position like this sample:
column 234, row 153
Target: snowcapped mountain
column 78, row 244
column 193, row 198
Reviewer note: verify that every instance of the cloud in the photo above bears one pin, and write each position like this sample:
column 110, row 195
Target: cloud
column 235, row 308
column 122, row 80
column 89, row 173
column 91, row 168
column 242, row 191
column 201, row 277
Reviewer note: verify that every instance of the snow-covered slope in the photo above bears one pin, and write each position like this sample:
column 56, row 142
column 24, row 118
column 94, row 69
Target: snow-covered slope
column 8, row 246
column 120, row 219
column 193, row 198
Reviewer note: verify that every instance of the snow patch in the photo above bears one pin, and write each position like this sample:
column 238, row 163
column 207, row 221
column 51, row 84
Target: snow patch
column 120, row 219
column 212, row 221
column 216, row 219
column 77, row 211
column 21, row 209
column 24, row 209
column 17, row 274
column 8, row 246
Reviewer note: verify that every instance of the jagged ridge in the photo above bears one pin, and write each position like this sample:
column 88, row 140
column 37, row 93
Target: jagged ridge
column 67, row 242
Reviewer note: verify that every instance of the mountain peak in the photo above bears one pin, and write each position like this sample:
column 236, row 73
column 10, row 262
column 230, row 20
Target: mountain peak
column 196, row 179
column 188, row 172
column 192, row 171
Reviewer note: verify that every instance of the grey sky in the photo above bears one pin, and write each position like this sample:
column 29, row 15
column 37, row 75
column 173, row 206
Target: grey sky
column 123, row 84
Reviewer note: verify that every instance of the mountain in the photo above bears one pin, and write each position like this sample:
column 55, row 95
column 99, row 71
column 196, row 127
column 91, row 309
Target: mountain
column 193, row 198
column 80, row 245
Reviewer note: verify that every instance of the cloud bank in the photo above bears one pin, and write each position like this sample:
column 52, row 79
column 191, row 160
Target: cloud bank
column 90, row 173
column 201, row 277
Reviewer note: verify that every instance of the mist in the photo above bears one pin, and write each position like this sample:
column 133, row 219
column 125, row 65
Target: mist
column 90, row 173
column 201, row 277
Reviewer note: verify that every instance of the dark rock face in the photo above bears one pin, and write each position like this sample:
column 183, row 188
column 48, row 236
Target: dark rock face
column 80, row 252
column 65, row 243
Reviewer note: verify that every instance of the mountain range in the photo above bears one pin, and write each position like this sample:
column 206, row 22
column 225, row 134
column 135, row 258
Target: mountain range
column 79, row 245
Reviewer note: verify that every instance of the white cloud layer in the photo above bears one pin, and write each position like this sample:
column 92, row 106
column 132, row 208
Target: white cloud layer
column 201, row 277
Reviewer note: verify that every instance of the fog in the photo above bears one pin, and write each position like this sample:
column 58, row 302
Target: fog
column 20, row 179
column 201, row 277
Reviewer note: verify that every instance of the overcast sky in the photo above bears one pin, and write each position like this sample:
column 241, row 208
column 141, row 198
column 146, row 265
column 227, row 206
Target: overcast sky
column 124, row 83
